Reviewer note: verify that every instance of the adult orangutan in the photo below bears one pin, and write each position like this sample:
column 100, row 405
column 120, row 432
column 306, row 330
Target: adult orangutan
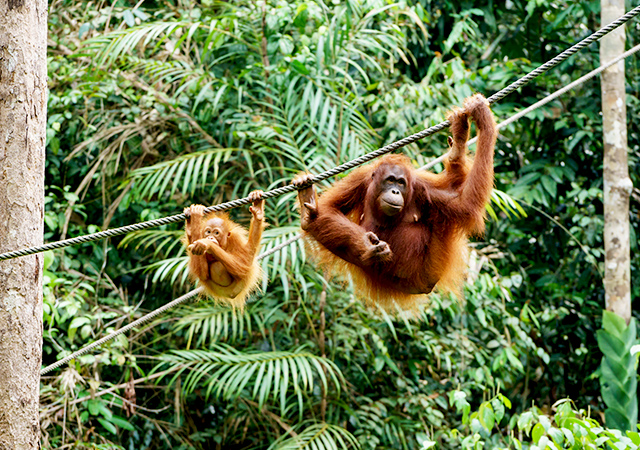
column 221, row 255
column 398, row 231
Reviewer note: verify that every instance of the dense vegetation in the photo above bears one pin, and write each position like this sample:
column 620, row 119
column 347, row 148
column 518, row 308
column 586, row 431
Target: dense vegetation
column 157, row 105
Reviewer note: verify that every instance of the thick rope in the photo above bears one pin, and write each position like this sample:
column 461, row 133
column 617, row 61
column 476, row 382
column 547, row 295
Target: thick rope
column 322, row 176
column 507, row 122
column 564, row 55
column 297, row 237
column 341, row 168
column 545, row 100
column 279, row 247
column 122, row 330
column 151, row 315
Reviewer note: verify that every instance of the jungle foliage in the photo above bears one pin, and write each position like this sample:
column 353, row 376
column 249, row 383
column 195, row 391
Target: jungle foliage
column 156, row 105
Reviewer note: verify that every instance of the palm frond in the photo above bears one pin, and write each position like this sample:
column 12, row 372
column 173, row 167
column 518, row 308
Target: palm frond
column 228, row 374
column 163, row 242
column 318, row 128
column 507, row 205
column 169, row 72
column 317, row 436
column 286, row 264
column 107, row 48
column 187, row 172
column 209, row 323
column 171, row 269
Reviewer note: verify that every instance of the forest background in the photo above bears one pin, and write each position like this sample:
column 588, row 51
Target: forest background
column 157, row 105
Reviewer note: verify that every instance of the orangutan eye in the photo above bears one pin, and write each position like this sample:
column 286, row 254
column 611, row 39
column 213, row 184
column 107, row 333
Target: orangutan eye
column 207, row 232
column 216, row 233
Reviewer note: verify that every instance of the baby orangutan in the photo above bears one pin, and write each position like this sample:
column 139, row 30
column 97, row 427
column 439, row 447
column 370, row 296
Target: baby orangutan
column 221, row 255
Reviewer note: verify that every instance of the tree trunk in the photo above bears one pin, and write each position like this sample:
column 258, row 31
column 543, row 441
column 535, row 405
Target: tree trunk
column 617, row 184
column 23, row 103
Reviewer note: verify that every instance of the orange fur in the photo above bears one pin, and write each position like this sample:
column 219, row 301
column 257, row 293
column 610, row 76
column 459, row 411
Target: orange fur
column 235, row 261
column 428, row 238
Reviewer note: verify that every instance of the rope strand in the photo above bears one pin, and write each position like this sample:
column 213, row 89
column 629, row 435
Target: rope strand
column 341, row 168
column 152, row 314
column 297, row 237
column 122, row 330
column 544, row 101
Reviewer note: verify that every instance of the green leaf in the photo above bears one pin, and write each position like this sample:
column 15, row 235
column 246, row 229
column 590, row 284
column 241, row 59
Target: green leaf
column 537, row 432
column 77, row 322
column 618, row 371
column 525, row 421
column 556, row 435
column 513, row 359
column 613, row 323
column 94, row 407
column 128, row 18
column 505, row 401
column 140, row 14
column 617, row 419
column 122, row 423
column 498, row 409
column 108, row 426
column 83, row 29
column 486, row 416
column 299, row 67
column 549, row 185
column 609, row 344
column 104, row 410
column 634, row 436
column 568, row 436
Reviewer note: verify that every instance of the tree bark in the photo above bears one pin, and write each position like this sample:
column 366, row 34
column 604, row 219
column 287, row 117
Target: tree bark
column 23, row 109
column 617, row 184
